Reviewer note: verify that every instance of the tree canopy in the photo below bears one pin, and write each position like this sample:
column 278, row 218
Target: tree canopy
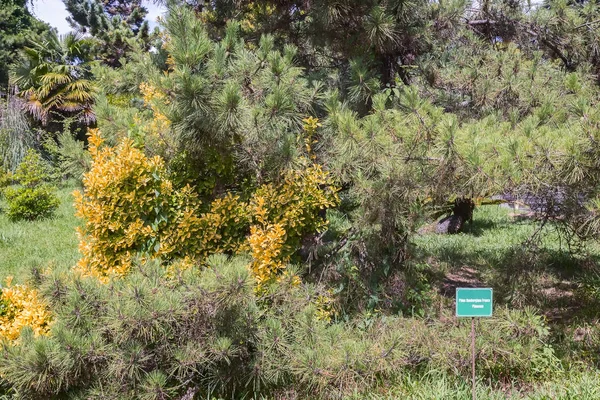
column 17, row 26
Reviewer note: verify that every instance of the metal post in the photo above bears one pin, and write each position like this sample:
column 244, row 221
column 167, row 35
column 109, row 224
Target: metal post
column 473, row 354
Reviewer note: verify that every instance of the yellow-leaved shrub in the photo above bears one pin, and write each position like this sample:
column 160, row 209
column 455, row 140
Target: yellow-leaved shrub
column 222, row 229
column 156, row 130
column 311, row 124
column 130, row 207
column 283, row 214
column 266, row 244
column 22, row 306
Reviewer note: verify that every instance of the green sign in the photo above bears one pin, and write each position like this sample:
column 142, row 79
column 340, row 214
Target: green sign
column 474, row 302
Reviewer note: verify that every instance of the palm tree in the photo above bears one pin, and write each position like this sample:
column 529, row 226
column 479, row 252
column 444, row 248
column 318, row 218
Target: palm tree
column 54, row 78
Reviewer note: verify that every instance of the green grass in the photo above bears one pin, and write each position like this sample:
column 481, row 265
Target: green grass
column 496, row 251
column 50, row 241
column 545, row 276
column 434, row 386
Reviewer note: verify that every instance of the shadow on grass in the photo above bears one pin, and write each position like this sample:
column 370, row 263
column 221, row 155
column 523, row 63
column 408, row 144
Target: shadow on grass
column 492, row 253
column 480, row 227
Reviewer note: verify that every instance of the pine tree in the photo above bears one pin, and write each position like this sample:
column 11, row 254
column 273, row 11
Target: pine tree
column 116, row 25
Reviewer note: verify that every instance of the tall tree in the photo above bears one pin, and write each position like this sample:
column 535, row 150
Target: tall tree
column 16, row 26
column 115, row 23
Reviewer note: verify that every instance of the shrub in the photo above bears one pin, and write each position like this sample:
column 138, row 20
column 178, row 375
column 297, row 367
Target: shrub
column 31, row 203
column 204, row 332
column 130, row 207
column 6, row 179
column 69, row 155
column 283, row 214
column 32, row 171
column 21, row 306
column 33, row 198
column 142, row 335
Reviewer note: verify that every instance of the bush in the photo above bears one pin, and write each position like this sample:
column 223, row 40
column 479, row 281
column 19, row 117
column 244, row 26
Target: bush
column 31, row 203
column 32, row 171
column 144, row 336
column 6, row 179
column 130, row 206
column 33, row 198
column 208, row 333
column 21, row 306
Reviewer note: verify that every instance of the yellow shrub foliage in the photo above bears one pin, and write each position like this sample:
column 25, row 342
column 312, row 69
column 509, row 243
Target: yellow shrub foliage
column 311, row 124
column 325, row 307
column 129, row 207
column 220, row 230
column 295, row 203
column 283, row 214
column 21, row 306
column 253, row 13
column 156, row 130
column 266, row 244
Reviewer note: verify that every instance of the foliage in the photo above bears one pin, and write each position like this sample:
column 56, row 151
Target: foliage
column 389, row 35
column 129, row 206
column 266, row 181
column 31, row 203
column 32, row 171
column 143, row 336
column 69, row 156
column 117, row 25
column 6, row 178
column 33, row 198
column 17, row 26
column 53, row 78
column 203, row 333
column 235, row 112
column 285, row 214
column 21, row 306
column 295, row 202
column 16, row 134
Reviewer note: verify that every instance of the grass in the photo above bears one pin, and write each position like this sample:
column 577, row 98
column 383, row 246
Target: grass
column 50, row 241
column 543, row 274
column 433, row 386
column 497, row 252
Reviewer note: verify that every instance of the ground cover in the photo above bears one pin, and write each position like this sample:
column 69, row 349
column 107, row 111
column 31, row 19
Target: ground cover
column 542, row 279
column 46, row 242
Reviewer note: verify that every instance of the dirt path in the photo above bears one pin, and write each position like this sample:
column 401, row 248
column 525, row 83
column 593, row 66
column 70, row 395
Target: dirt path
column 463, row 277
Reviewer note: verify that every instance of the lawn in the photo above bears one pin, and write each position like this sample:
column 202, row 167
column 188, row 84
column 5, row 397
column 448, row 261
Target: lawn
column 544, row 275
column 497, row 251
column 47, row 242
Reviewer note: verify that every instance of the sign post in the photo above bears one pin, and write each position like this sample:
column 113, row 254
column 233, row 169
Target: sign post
column 474, row 303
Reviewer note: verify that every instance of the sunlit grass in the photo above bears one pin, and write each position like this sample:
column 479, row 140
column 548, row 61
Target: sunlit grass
column 433, row 386
column 42, row 243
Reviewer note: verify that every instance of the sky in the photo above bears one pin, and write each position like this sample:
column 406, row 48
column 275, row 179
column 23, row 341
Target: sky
column 54, row 13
